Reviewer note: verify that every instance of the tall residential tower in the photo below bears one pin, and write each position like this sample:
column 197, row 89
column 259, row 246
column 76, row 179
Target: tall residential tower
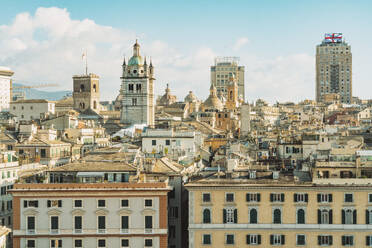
column 222, row 70
column 334, row 68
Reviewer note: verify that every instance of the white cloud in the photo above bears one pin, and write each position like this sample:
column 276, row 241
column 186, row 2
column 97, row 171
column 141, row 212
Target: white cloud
column 240, row 43
column 47, row 47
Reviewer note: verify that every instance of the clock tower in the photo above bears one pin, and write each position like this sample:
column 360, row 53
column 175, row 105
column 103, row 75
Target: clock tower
column 137, row 90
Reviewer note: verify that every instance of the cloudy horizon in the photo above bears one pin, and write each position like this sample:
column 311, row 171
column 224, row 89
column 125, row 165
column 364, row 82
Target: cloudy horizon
column 46, row 45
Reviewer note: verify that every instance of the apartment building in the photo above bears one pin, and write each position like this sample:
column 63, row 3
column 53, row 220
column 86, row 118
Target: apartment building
column 5, row 87
column 171, row 142
column 334, row 68
column 32, row 109
column 222, row 70
column 47, row 152
column 268, row 209
column 90, row 215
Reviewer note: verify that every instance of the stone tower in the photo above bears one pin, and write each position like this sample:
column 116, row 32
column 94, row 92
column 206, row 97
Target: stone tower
column 86, row 92
column 232, row 101
column 137, row 89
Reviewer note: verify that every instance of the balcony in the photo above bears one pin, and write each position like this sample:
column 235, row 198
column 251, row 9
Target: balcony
column 92, row 231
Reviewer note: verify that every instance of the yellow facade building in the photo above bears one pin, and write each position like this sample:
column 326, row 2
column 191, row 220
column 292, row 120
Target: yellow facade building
column 264, row 212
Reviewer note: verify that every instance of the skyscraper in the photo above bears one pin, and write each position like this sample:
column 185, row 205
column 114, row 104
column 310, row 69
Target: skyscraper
column 137, row 90
column 334, row 68
column 222, row 70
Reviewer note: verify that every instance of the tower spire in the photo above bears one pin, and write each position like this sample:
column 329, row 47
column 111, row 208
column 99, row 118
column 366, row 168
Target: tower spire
column 136, row 48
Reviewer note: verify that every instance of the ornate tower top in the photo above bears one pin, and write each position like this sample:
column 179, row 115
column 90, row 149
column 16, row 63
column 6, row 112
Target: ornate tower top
column 136, row 59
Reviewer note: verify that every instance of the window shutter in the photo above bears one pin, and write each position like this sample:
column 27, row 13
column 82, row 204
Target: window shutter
column 330, row 238
column 294, row 197
column 318, row 197
column 367, row 216
column 306, row 197
column 319, row 217
column 319, row 240
column 258, row 197
column 247, row 197
column 330, row 197
column 49, row 203
column 248, row 239
column 271, row 239
column 259, row 239
column 368, row 240
column 24, row 203
column 343, row 216
column 224, row 215
column 271, row 197
column 282, row 197
column 282, row 239
column 343, row 240
column 235, row 215
column 59, row 203
column 330, row 216
column 354, row 216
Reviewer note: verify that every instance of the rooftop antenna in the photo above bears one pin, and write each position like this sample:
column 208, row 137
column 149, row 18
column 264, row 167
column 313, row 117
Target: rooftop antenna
column 85, row 54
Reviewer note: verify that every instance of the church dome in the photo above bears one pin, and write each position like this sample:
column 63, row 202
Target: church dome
column 213, row 102
column 135, row 60
column 191, row 97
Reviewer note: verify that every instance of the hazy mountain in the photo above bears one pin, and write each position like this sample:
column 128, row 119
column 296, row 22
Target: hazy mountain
column 40, row 94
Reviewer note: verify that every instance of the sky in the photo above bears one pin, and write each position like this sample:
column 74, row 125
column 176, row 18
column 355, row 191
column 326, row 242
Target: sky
column 43, row 41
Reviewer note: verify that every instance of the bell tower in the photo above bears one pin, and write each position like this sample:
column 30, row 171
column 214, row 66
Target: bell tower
column 232, row 94
column 86, row 92
column 137, row 90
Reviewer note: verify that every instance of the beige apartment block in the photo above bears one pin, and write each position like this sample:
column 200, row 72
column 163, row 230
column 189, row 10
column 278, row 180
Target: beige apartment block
column 221, row 72
column 279, row 213
column 334, row 70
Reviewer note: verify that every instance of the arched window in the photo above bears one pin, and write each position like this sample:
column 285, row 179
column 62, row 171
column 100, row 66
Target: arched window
column 82, row 105
column 94, row 104
column 277, row 216
column 231, row 95
column 94, row 88
column 82, row 87
column 206, row 216
column 349, row 216
column 325, row 216
column 300, row 216
column 253, row 216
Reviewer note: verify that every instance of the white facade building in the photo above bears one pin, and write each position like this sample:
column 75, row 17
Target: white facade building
column 32, row 109
column 170, row 142
column 5, row 87
column 91, row 215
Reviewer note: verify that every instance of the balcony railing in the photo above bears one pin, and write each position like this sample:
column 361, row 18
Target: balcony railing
column 92, row 231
